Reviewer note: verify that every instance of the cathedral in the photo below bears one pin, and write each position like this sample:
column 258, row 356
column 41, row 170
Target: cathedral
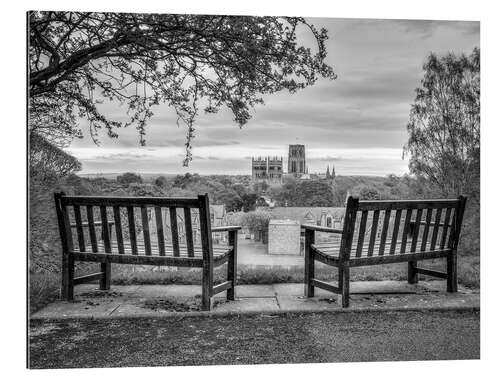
column 270, row 169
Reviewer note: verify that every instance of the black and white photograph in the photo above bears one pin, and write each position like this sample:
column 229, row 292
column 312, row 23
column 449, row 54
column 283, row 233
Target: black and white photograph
column 248, row 189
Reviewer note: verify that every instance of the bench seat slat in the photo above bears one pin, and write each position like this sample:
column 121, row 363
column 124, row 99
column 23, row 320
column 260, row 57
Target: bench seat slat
column 332, row 249
column 218, row 250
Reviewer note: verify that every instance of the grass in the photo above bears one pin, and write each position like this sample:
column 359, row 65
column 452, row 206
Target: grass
column 255, row 339
column 44, row 287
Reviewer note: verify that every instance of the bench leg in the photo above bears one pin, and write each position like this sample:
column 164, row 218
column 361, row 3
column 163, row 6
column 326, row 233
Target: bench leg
column 344, row 285
column 308, row 264
column 68, row 275
column 412, row 273
column 451, row 270
column 206, row 288
column 105, row 281
column 231, row 266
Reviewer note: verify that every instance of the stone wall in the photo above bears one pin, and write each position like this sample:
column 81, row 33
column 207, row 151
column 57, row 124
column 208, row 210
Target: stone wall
column 284, row 237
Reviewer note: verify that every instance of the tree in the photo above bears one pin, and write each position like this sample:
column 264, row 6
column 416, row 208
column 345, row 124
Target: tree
column 248, row 200
column 314, row 193
column 129, row 178
column 367, row 193
column 161, row 181
column 443, row 144
column 231, row 200
column 189, row 62
column 46, row 159
column 256, row 221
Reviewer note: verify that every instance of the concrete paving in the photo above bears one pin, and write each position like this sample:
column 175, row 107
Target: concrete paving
column 254, row 254
column 165, row 300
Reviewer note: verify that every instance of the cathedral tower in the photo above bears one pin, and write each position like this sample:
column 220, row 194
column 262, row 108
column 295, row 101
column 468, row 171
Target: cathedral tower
column 296, row 159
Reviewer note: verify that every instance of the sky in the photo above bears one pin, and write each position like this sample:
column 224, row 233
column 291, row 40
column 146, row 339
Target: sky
column 356, row 123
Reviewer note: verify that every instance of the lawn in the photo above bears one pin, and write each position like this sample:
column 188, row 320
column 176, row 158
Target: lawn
column 254, row 339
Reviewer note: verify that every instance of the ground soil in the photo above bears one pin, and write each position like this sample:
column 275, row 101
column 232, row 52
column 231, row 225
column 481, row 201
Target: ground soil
column 254, row 339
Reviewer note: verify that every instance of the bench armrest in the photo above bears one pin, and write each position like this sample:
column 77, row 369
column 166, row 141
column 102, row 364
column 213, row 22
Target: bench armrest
column 229, row 228
column 321, row 229
column 96, row 223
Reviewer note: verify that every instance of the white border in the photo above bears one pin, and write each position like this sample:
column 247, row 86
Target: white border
column 14, row 151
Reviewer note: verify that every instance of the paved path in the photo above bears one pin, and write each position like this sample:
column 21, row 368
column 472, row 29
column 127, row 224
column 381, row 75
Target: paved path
column 252, row 339
column 254, row 254
column 165, row 300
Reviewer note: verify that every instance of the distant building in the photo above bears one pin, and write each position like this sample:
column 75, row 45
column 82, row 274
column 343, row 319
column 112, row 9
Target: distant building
column 265, row 201
column 297, row 160
column 271, row 171
column 267, row 169
column 332, row 217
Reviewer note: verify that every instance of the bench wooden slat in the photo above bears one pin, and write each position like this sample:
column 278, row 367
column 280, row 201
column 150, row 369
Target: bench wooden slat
column 452, row 228
column 118, row 228
column 406, row 204
column 362, row 230
column 129, row 201
column 373, row 233
column 416, row 229
column 395, row 232
column 447, row 217
column 383, row 235
column 145, row 229
column 105, row 229
column 141, row 249
column 425, row 235
column 333, row 249
column 406, row 229
column 189, row 231
column 92, row 234
column 131, row 229
column 174, row 230
column 79, row 227
column 159, row 230
column 435, row 228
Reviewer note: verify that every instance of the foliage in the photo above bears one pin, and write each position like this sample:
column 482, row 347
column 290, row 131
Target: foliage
column 161, row 181
column 129, row 178
column 312, row 193
column 47, row 159
column 256, row 220
column 248, row 200
column 144, row 190
column 443, row 129
column 189, row 62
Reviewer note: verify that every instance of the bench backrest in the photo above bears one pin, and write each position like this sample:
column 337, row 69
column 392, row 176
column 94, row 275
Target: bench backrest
column 90, row 223
column 380, row 228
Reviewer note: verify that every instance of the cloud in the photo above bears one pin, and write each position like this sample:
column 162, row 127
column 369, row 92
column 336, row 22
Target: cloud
column 357, row 122
column 427, row 28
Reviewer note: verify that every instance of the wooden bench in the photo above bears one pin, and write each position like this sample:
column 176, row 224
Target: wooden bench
column 135, row 242
column 379, row 232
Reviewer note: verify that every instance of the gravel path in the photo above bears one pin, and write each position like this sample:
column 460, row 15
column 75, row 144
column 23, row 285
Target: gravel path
column 292, row 338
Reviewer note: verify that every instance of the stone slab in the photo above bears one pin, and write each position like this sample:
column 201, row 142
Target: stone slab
column 367, row 287
column 384, row 301
column 254, row 291
column 249, row 304
column 165, row 291
column 63, row 309
column 127, row 301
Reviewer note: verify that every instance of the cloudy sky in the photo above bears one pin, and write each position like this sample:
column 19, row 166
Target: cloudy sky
column 357, row 122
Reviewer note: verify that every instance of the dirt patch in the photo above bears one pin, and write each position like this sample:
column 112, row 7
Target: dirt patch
column 101, row 294
column 174, row 305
